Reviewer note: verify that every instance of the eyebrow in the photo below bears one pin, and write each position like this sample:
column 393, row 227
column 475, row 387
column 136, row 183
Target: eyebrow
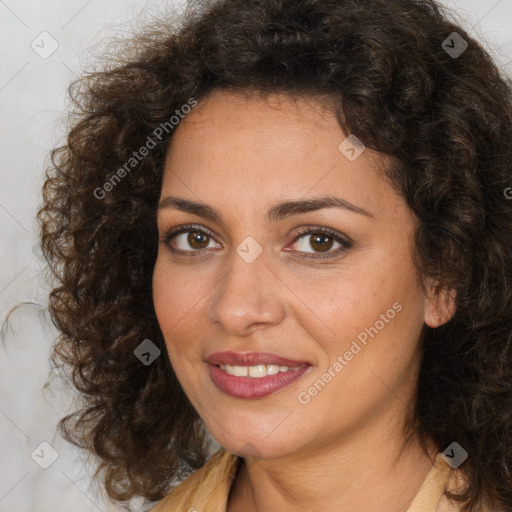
column 277, row 212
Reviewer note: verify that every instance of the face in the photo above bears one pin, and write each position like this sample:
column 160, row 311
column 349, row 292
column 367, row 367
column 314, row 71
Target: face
column 257, row 271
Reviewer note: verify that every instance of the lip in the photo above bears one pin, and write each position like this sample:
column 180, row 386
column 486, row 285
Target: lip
column 251, row 359
column 251, row 388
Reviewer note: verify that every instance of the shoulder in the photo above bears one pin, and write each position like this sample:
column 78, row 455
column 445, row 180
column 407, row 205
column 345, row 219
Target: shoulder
column 206, row 489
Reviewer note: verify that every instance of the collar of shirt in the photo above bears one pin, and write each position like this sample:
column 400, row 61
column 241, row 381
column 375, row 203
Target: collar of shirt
column 208, row 488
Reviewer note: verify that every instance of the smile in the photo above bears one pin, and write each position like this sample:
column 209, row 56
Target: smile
column 255, row 381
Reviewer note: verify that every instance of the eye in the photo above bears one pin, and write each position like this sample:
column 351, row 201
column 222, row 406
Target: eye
column 188, row 239
column 321, row 240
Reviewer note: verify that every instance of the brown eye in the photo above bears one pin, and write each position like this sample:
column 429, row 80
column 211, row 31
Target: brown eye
column 189, row 240
column 197, row 239
column 321, row 242
column 318, row 243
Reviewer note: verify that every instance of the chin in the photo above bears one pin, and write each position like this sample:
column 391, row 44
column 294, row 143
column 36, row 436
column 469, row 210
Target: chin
column 257, row 446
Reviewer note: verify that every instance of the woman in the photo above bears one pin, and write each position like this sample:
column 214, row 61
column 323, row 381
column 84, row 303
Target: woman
column 285, row 225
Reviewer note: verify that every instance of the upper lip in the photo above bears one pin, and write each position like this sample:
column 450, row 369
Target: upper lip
column 251, row 359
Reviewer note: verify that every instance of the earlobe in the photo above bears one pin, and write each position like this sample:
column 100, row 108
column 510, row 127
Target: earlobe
column 440, row 304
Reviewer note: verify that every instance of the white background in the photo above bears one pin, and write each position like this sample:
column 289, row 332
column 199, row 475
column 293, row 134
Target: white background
column 32, row 112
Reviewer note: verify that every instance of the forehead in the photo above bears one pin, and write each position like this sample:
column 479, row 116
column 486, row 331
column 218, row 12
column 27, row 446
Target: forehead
column 251, row 118
column 238, row 148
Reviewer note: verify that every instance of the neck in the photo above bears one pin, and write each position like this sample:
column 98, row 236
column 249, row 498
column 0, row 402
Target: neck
column 373, row 470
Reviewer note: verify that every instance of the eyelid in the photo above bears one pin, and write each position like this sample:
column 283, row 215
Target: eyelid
column 186, row 227
column 323, row 230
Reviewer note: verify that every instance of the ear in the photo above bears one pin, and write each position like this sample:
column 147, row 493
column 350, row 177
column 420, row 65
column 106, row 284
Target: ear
column 440, row 304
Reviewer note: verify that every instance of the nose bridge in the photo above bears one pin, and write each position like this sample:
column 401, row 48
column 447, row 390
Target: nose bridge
column 245, row 295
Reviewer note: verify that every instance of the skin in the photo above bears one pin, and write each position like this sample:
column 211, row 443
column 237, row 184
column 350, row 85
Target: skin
column 241, row 154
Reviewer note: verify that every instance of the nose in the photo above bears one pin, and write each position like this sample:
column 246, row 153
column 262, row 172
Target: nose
column 246, row 298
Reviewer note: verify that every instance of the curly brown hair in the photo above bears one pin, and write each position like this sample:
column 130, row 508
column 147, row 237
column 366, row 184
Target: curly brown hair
column 444, row 120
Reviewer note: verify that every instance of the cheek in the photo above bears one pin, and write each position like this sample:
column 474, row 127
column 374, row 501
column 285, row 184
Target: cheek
column 176, row 296
column 380, row 302
column 164, row 298
column 379, row 354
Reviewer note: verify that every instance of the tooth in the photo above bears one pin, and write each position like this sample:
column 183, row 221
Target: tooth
column 240, row 371
column 258, row 371
column 272, row 369
column 227, row 368
column 255, row 371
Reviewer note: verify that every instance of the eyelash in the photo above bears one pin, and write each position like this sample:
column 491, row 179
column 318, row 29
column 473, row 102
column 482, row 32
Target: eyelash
column 344, row 242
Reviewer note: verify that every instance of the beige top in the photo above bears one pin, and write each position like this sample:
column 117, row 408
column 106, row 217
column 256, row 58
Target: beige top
column 207, row 489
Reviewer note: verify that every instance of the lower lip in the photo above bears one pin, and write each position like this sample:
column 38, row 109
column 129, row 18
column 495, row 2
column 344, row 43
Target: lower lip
column 249, row 387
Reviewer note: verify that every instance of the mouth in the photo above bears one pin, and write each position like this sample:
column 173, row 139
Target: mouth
column 253, row 375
